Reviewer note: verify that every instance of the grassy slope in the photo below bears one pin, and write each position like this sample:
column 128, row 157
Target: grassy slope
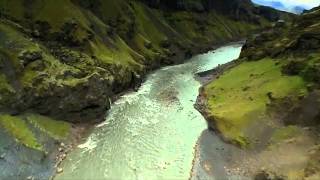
column 117, row 50
column 20, row 131
column 20, row 127
column 56, row 129
column 243, row 90
column 111, row 55
column 260, row 100
column 89, row 52
column 240, row 96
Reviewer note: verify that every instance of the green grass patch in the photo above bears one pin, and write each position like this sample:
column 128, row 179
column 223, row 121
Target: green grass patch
column 147, row 26
column 140, row 42
column 122, row 54
column 6, row 90
column 284, row 133
column 18, row 129
column 58, row 12
column 12, row 8
column 239, row 97
column 58, row 130
column 111, row 8
column 9, row 37
column 4, row 85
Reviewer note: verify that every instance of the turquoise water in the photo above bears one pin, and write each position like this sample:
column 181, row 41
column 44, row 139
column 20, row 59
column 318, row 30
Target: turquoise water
column 151, row 133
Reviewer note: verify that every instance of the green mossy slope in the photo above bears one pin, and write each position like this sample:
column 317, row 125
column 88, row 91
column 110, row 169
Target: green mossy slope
column 22, row 128
column 65, row 58
column 276, row 67
column 269, row 101
column 58, row 130
column 20, row 131
column 241, row 95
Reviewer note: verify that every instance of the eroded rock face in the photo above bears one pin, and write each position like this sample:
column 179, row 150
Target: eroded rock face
column 72, row 96
column 86, row 100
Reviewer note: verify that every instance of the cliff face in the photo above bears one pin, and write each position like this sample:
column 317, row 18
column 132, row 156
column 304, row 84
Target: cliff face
column 269, row 100
column 65, row 59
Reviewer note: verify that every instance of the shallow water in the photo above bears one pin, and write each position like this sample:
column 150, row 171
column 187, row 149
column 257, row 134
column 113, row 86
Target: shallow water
column 151, row 133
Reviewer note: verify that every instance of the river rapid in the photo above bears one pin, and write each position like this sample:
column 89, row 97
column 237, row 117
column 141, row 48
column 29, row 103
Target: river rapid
column 151, row 133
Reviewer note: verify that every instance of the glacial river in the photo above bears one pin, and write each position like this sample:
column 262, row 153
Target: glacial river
column 151, row 133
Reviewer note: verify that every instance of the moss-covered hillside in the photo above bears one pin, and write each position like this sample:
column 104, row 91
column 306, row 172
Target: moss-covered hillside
column 269, row 101
column 66, row 58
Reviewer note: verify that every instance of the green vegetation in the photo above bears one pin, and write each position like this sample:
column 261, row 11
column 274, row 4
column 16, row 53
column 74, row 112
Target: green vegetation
column 16, row 8
column 72, row 56
column 57, row 129
column 111, row 42
column 58, row 12
column 5, row 87
column 147, row 26
column 284, row 133
column 19, row 129
column 240, row 96
column 94, row 47
column 269, row 100
column 22, row 128
column 13, row 42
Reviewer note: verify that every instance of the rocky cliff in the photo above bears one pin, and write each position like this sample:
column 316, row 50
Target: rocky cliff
column 268, row 100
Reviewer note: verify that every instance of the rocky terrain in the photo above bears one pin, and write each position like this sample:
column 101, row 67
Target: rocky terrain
column 66, row 60
column 267, row 102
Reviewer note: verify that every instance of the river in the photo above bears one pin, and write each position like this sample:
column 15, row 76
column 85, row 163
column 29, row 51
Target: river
column 151, row 133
